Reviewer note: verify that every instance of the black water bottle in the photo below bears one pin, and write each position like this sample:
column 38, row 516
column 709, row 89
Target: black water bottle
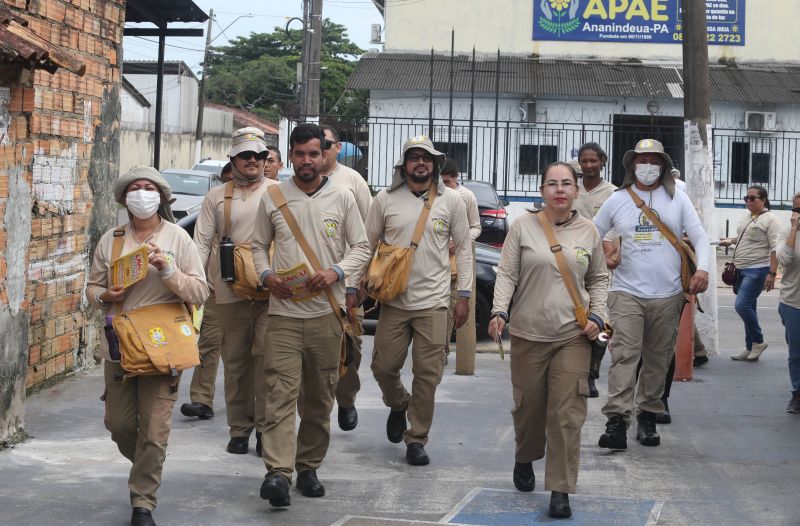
column 226, row 265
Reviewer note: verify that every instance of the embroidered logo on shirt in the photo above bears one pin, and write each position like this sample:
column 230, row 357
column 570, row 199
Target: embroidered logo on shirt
column 439, row 225
column 582, row 256
column 157, row 336
column 331, row 227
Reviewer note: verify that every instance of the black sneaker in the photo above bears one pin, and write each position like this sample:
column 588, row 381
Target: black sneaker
column 646, row 429
column 524, row 479
column 309, row 485
column 794, row 403
column 700, row 361
column 201, row 411
column 616, row 435
column 396, row 426
column 275, row 489
column 593, row 392
column 415, row 455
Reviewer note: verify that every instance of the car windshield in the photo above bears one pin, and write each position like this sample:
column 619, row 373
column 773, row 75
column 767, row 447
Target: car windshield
column 484, row 194
column 208, row 168
column 186, row 183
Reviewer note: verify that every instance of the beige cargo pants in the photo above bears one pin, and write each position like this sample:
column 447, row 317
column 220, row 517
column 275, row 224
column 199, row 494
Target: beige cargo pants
column 550, row 388
column 425, row 331
column 204, row 376
column 138, row 414
column 243, row 350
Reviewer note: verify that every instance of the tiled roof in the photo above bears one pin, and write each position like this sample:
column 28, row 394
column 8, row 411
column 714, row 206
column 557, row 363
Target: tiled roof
column 244, row 118
column 20, row 45
column 749, row 83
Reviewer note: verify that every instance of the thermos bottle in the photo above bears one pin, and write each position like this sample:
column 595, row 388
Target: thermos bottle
column 226, row 264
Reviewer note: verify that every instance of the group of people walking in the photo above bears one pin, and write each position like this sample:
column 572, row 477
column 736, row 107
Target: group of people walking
column 282, row 269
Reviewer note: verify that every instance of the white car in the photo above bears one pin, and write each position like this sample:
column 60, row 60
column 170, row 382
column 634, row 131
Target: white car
column 189, row 187
column 211, row 165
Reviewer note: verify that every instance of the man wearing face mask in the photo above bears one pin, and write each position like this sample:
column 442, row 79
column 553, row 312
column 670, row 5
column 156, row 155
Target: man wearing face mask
column 646, row 297
column 244, row 320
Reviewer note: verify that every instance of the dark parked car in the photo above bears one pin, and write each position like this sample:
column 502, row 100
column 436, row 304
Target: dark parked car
column 494, row 218
column 487, row 258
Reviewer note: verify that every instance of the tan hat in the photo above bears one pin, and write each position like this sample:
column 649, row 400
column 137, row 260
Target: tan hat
column 247, row 140
column 647, row 146
column 151, row 174
column 424, row 142
column 576, row 166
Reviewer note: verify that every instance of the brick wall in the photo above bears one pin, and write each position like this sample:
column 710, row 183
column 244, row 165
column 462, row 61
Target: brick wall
column 45, row 169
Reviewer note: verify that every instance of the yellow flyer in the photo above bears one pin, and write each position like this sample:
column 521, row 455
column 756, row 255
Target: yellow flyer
column 130, row 268
column 297, row 277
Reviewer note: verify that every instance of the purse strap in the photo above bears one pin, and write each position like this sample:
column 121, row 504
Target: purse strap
column 283, row 206
column 566, row 275
column 226, row 209
column 736, row 246
column 423, row 217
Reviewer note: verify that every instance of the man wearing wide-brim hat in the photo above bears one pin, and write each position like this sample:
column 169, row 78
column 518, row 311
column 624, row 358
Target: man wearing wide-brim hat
column 244, row 319
column 646, row 296
column 419, row 314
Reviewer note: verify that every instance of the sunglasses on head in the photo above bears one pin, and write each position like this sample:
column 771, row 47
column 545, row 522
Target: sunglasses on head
column 246, row 156
column 750, row 197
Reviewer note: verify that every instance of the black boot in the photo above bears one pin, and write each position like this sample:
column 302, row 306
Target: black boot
column 238, row 445
column 559, row 506
column 593, row 392
column 616, row 436
column 646, row 429
column 309, row 485
column 348, row 418
column 395, row 426
column 415, row 454
column 201, row 411
column 275, row 488
column 664, row 417
column 142, row 517
column 524, row 479
column 794, row 403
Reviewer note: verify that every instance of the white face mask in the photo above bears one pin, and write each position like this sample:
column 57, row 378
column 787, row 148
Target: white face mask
column 143, row 203
column 647, row 174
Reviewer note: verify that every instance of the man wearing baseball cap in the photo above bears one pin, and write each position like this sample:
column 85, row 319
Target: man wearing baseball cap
column 646, row 297
column 244, row 321
column 419, row 314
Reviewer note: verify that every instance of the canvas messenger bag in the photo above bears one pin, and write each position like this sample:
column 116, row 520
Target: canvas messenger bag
column 247, row 284
column 387, row 275
column 155, row 339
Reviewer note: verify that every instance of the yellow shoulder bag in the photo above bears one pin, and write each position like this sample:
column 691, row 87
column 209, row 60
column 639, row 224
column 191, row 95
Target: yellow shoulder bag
column 247, row 284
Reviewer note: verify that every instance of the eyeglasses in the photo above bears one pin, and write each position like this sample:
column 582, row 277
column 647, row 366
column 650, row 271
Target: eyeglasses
column 796, row 210
column 419, row 159
column 246, row 156
column 748, row 198
column 566, row 185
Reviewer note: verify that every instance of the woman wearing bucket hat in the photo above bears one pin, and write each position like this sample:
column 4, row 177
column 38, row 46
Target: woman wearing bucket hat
column 646, row 294
column 756, row 266
column 138, row 409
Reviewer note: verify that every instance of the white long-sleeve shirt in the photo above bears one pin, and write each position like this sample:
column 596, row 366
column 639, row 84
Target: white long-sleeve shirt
column 650, row 267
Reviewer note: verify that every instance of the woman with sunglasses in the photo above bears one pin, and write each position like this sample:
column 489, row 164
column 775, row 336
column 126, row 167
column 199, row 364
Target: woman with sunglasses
column 756, row 266
column 789, row 308
column 550, row 352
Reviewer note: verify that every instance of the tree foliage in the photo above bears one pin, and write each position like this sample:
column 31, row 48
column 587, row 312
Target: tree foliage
column 259, row 73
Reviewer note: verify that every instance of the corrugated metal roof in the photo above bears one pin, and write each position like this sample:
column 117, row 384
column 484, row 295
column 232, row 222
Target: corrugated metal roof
column 161, row 12
column 243, row 118
column 20, row 45
column 750, row 83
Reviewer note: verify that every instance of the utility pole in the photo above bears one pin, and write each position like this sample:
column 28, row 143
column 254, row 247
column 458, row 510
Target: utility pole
column 314, row 39
column 201, row 95
column 699, row 169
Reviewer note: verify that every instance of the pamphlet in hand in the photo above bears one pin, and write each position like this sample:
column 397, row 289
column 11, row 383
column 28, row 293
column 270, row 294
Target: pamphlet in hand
column 297, row 277
column 130, row 268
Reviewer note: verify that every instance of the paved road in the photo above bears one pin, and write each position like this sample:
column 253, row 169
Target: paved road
column 732, row 456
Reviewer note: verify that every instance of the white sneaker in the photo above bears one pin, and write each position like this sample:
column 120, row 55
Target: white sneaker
column 758, row 348
column 744, row 355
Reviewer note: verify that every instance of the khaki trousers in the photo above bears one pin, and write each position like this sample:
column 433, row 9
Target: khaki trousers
column 350, row 384
column 550, row 391
column 204, row 376
column 243, row 350
column 397, row 328
column 643, row 329
column 302, row 352
column 138, row 413
column 450, row 309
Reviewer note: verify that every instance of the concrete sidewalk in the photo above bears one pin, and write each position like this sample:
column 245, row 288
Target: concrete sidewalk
column 732, row 456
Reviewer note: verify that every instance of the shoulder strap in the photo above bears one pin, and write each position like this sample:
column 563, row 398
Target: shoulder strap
column 566, row 275
column 280, row 202
column 119, row 240
column 752, row 220
column 226, row 211
column 664, row 229
column 423, row 218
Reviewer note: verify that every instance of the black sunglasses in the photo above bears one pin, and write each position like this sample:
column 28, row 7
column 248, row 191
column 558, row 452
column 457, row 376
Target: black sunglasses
column 246, row 156
column 796, row 210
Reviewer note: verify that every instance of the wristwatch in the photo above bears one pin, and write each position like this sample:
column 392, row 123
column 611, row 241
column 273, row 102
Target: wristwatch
column 773, row 274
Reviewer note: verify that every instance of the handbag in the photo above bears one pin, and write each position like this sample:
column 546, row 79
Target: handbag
column 729, row 272
column 348, row 332
column 247, row 283
column 387, row 275
column 688, row 258
column 151, row 340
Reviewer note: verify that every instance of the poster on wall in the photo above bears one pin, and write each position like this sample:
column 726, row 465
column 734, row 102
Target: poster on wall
column 641, row 21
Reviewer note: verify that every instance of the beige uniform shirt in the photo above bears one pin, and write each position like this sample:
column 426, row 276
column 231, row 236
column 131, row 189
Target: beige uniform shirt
column 393, row 217
column 589, row 202
column 349, row 178
column 331, row 228
column 185, row 283
column 790, row 261
column 473, row 214
column 208, row 230
column 528, row 274
column 760, row 238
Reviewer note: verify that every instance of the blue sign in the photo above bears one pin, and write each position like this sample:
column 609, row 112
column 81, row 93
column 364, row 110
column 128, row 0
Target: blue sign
column 640, row 21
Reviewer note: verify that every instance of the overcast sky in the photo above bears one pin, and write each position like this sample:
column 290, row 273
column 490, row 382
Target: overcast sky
column 356, row 15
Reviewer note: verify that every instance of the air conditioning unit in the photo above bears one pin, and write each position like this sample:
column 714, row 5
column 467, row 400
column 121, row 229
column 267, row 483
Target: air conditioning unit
column 760, row 121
